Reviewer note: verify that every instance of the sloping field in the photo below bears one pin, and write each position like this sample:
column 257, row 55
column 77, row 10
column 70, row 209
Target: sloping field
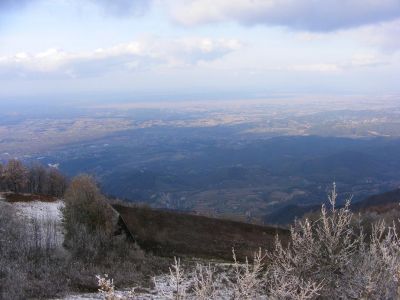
column 169, row 233
column 380, row 203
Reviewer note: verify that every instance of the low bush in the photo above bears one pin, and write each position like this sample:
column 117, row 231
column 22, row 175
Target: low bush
column 328, row 258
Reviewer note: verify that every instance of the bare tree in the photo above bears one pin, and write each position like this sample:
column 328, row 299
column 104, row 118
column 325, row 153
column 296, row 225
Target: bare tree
column 38, row 179
column 50, row 181
column 56, row 183
column 16, row 175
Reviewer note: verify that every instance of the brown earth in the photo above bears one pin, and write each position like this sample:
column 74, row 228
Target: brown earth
column 169, row 233
column 12, row 197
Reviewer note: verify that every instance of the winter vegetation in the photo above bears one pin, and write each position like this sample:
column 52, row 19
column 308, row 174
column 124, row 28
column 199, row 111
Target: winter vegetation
column 28, row 257
column 36, row 179
column 335, row 254
column 36, row 262
column 330, row 258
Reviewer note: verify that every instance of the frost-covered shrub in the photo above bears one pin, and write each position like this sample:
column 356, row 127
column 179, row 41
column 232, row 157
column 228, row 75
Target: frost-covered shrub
column 333, row 259
column 29, row 262
column 205, row 286
column 328, row 258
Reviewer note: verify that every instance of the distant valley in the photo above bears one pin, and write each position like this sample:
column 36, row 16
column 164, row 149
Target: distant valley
column 239, row 180
column 249, row 161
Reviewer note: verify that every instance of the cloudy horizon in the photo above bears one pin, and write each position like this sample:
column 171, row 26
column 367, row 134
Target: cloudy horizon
column 199, row 46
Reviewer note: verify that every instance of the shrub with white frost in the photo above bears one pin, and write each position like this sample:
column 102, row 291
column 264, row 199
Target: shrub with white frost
column 330, row 258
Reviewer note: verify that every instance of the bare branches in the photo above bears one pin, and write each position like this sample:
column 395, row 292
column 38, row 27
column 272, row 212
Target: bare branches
column 106, row 287
column 326, row 259
column 176, row 277
column 36, row 179
column 15, row 175
column 176, row 284
column 204, row 282
column 248, row 280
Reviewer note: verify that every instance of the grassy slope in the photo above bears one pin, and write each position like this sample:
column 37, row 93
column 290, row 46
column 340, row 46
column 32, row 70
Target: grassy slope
column 170, row 233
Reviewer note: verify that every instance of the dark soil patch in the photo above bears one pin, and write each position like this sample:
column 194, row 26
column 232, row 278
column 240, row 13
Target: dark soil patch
column 12, row 197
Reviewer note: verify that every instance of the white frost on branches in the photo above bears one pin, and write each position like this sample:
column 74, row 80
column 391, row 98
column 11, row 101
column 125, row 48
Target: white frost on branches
column 330, row 258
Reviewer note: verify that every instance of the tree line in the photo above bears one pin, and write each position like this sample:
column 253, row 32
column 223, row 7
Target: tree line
column 36, row 179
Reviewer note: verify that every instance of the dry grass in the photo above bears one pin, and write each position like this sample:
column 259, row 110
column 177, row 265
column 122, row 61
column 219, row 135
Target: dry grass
column 168, row 233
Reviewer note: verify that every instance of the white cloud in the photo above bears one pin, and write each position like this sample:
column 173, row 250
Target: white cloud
column 357, row 61
column 309, row 36
column 365, row 60
column 385, row 36
column 320, row 68
column 144, row 53
column 122, row 7
column 323, row 15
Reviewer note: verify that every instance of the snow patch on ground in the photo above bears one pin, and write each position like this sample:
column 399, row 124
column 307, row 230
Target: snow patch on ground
column 143, row 294
column 163, row 290
column 43, row 216
column 37, row 210
column 120, row 294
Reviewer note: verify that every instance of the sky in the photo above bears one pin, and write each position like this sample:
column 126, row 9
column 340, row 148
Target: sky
column 251, row 48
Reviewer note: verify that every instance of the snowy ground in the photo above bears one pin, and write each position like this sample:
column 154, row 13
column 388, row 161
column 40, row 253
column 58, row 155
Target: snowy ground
column 46, row 216
column 121, row 295
column 142, row 294
column 40, row 210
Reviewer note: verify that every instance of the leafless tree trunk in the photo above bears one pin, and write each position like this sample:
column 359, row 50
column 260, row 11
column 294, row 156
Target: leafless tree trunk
column 16, row 175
